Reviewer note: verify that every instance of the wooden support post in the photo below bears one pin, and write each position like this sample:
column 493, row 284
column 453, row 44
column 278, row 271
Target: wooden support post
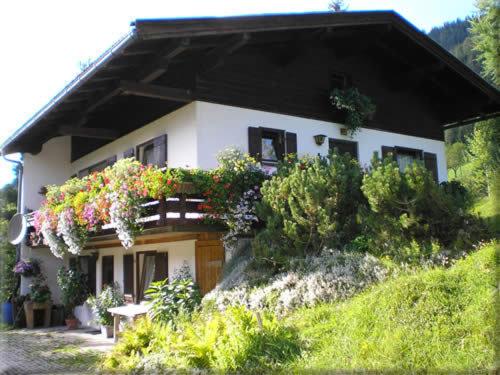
column 162, row 212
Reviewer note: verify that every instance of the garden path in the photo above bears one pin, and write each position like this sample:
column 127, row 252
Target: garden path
column 50, row 350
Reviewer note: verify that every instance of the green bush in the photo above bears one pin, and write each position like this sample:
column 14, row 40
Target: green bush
column 168, row 299
column 236, row 340
column 110, row 296
column 311, row 206
column 410, row 216
column 442, row 320
column 74, row 290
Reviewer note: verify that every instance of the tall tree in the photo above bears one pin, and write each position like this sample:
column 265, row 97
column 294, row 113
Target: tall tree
column 455, row 156
column 485, row 32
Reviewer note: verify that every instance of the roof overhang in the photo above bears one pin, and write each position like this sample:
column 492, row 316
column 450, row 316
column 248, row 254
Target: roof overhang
column 133, row 64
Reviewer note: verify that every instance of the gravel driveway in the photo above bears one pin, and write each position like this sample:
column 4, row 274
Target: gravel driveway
column 50, row 350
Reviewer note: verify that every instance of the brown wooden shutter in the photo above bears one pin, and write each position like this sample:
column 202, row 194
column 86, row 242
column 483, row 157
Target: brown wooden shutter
column 255, row 142
column 160, row 145
column 430, row 162
column 108, row 276
column 161, row 266
column 386, row 150
column 91, row 274
column 291, row 143
column 128, row 274
column 130, row 153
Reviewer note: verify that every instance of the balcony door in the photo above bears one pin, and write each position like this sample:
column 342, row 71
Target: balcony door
column 150, row 266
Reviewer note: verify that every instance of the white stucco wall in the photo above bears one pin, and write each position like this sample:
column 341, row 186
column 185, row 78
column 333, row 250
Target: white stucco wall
column 50, row 166
column 180, row 127
column 221, row 126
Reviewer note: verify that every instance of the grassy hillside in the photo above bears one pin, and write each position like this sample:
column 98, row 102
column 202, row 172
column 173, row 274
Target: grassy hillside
column 435, row 320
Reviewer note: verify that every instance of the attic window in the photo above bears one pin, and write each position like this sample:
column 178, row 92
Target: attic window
column 339, row 81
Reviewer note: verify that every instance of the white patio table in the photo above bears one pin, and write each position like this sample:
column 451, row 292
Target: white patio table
column 131, row 310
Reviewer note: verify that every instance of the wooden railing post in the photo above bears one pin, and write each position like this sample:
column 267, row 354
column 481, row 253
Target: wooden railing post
column 182, row 208
column 162, row 211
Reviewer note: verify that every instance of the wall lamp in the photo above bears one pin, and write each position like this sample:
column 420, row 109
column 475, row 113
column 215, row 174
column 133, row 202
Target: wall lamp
column 319, row 139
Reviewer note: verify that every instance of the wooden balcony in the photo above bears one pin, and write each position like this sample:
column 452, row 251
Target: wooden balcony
column 179, row 214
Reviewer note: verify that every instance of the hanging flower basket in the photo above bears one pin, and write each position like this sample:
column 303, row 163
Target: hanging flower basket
column 185, row 188
column 27, row 268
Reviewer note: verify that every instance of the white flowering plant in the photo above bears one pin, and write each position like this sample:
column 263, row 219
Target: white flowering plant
column 331, row 276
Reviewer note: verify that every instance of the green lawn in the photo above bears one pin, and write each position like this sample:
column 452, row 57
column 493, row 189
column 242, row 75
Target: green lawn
column 440, row 320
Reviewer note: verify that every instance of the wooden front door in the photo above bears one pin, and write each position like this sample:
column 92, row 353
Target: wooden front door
column 209, row 256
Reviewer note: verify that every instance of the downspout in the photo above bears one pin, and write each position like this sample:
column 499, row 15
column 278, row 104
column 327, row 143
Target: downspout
column 20, row 209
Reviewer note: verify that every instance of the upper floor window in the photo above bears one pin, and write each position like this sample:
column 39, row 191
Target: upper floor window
column 269, row 146
column 97, row 167
column 344, row 147
column 406, row 156
column 153, row 152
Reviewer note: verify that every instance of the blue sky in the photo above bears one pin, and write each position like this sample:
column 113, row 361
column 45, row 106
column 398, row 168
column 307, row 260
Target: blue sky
column 44, row 41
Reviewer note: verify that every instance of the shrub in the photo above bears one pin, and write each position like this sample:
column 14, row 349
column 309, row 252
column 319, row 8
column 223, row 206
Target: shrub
column 311, row 208
column 73, row 285
column 234, row 340
column 168, row 299
column 410, row 216
column 332, row 276
column 110, row 296
column 39, row 290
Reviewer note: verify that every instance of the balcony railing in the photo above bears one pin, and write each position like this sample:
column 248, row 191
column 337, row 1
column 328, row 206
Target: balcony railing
column 182, row 213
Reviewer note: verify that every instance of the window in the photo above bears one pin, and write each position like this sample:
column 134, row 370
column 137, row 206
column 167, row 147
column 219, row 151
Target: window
column 108, row 276
column 270, row 145
column 128, row 274
column 97, row 167
column 86, row 265
column 150, row 266
column 153, row 152
column 344, row 147
column 402, row 155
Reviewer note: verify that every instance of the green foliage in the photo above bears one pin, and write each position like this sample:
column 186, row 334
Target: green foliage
column 73, row 285
column 8, row 281
column 410, row 216
column 168, row 299
column 312, row 207
column 485, row 30
column 39, row 290
column 484, row 153
column 456, row 156
column 236, row 340
column 110, row 296
column 433, row 321
column 359, row 107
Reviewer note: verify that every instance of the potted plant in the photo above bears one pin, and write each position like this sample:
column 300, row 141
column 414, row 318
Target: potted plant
column 110, row 296
column 73, row 285
column 38, row 299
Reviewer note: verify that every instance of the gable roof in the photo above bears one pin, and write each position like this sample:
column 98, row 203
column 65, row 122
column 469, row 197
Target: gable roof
column 152, row 46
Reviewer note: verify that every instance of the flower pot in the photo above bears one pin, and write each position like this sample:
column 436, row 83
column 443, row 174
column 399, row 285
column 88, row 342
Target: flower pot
column 7, row 316
column 107, row 331
column 72, row 323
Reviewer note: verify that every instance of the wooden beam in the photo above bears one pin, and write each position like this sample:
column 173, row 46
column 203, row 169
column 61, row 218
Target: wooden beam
column 97, row 133
column 159, row 65
column 216, row 56
column 156, row 91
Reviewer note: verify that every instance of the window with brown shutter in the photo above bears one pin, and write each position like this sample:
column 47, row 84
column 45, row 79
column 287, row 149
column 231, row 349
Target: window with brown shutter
column 153, row 152
column 130, row 153
column 270, row 145
column 161, row 266
column 128, row 274
column 344, row 147
column 87, row 265
column 430, row 162
column 108, row 273
column 97, row 167
column 404, row 156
